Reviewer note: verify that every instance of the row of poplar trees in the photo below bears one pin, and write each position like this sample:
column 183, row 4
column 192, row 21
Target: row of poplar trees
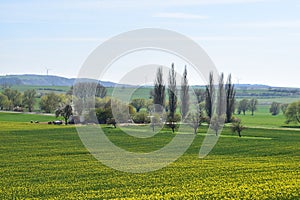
column 220, row 94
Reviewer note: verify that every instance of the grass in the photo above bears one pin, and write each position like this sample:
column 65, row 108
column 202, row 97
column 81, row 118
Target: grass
column 40, row 161
column 262, row 118
column 21, row 117
column 41, row 89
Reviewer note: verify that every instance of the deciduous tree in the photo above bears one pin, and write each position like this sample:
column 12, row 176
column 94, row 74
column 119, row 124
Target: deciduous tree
column 14, row 97
column 138, row 104
column 243, row 106
column 50, row 102
column 275, row 108
column 65, row 112
column 253, row 105
column 4, row 102
column 29, row 99
column 292, row 113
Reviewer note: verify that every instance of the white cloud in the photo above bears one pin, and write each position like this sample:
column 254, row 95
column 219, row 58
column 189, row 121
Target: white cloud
column 227, row 38
column 270, row 24
column 179, row 16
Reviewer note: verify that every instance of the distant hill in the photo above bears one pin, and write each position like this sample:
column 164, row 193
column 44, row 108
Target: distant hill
column 42, row 80
column 47, row 80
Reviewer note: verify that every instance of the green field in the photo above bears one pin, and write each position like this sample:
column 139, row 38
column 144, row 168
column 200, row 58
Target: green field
column 41, row 161
column 41, row 89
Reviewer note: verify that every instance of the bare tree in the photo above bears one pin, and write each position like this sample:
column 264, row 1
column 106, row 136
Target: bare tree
column 195, row 118
column 230, row 99
column 216, row 123
column 172, row 90
column 185, row 98
column 237, row 126
column 159, row 91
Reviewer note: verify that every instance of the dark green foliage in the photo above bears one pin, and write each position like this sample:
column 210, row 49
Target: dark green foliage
column 221, row 99
column 159, row 91
column 230, row 99
column 103, row 114
column 66, row 113
column 111, row 121
column 209, row 97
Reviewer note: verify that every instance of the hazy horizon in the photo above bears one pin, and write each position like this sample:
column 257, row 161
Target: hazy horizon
column 148, row 85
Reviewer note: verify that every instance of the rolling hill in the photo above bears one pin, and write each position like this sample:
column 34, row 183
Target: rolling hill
column 42, row 80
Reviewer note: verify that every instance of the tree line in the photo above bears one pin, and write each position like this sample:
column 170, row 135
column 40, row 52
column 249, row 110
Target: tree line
column 169, row 101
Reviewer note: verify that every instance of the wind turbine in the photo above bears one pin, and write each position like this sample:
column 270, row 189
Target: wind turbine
column 47, row 71
column 238, row 80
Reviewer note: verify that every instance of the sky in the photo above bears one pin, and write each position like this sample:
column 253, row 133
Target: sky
column 257, row 41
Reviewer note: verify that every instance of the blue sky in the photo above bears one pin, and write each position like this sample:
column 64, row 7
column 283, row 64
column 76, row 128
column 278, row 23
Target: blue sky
column 258, row 41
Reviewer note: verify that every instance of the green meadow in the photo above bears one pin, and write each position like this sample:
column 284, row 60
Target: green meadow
column 41, row 161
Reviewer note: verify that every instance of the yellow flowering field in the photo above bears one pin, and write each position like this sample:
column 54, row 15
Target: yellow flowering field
column 46, row 162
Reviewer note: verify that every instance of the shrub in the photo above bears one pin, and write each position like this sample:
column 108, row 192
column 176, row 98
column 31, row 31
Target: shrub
column 141, row 118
